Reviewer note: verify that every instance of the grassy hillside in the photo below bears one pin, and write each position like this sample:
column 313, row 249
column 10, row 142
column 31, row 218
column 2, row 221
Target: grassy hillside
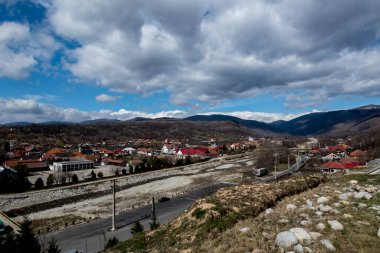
column 238, row 219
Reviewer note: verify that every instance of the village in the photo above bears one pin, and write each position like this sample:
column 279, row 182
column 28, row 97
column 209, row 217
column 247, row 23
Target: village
column 47, row 165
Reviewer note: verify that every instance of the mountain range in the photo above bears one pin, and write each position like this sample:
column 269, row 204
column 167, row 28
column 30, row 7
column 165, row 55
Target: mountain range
column 341, row 122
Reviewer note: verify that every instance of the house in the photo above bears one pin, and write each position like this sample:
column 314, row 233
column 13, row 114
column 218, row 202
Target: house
column 72, row 165
column 184, row 152
column 169, row 149
column 351, row 162
column 116, row 162
column 129, row 150
column 144, row 151
column 30, row 165
column 331, row 157
column 362, row 156
column 235, row 146
column 333, row 167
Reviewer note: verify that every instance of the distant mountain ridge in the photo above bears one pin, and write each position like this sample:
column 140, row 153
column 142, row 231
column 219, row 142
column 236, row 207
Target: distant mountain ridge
column 333, row 122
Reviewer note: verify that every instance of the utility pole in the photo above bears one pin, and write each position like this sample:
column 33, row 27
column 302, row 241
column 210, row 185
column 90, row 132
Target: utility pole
column 113, row 205
column 275, row 164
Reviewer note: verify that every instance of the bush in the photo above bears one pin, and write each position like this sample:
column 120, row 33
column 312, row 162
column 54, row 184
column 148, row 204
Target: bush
column 111, row 242
column 50, row 180
column 117, row 172
column 93, row 175
column 74, row 178
column 124, row 171
column 100, row 174
column 137, row 228
column 199, row 213
column 39, row 183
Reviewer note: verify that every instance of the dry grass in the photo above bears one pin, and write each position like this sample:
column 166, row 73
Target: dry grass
column 356, row 237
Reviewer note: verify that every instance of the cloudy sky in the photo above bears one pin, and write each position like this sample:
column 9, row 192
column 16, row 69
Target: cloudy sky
column 70, row 60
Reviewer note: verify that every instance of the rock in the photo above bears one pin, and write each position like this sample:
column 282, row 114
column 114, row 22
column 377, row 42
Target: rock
column 363, row 223
column 353, row 182
column 361, row 195
column 371, row 189
column 318, row 213
column 316, row 196
column 244, row 230
column 325, row 209
column 286, row 239
column 320, row 226
column 258, row 251
column 347, row 216
column 305, row 223
column 337, row 204
column 346, row 203
column 315, row 235
column 304, row 215
column 345, row 196
column 307, row 250
column 283, row 221
column 335, row 225
column 269, row 211
column 298, row 248
column 290, row 251
column 378, row 233
column 301, row 234
column 322, row 200
column 309, row 203
column 291, row 207
column 328, row 244
column 362, row 205
column 265, row 234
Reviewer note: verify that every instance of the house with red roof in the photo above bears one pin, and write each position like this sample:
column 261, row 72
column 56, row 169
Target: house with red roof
column 333, row 167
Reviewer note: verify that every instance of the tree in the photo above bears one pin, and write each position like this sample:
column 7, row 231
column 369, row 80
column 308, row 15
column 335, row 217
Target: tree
column 63, row 179
column 124, row 171
column 74, row 178
column 100, row 174
column 137, row 228
column 26, row 241
column 53, row 246
column 93, row 175
column 39, row 183
column 117, row 172
column 111, row 242
column 50, row 180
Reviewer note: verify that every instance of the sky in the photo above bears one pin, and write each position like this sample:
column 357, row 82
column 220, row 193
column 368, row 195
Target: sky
column 265, row 60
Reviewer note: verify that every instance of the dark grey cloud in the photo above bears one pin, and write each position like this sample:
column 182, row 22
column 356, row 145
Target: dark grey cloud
column 239, row 49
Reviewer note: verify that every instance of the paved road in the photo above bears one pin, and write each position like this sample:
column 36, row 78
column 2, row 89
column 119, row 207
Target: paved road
column 91, row 237
column 294, row 168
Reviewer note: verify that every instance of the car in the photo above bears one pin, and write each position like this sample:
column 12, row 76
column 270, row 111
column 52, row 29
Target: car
column 163, row 199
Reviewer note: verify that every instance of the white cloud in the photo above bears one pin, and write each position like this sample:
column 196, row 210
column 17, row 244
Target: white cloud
column 31, row 110
column 106, row 98
column 240, row 49
column 22, row 49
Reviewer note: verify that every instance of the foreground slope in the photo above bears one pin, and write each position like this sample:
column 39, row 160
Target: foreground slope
column 317, row 215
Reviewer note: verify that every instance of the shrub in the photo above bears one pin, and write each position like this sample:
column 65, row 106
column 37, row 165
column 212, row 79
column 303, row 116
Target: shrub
column 137, row 228
column 74, row 178
column 50, row 180
column 100, row 174
column 124, row 171
column 39, row 183
column 199, row 213
column 111, row 242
